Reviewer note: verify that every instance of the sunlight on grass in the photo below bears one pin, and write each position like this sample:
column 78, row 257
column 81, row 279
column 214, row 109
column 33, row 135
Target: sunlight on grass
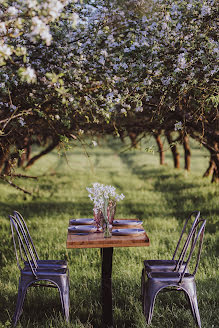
column 160, row 196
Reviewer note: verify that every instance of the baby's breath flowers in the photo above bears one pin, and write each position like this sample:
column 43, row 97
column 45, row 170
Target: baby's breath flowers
column 101, row 194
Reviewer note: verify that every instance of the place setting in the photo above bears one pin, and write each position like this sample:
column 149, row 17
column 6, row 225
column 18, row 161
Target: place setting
column 82, row 226
column 127, row 227
column 105, row 200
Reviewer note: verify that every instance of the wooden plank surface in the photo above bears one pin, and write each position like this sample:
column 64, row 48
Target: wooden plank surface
column 96, row 240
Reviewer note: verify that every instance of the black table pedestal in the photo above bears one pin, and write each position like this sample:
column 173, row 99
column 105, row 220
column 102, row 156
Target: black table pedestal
column 107, row 256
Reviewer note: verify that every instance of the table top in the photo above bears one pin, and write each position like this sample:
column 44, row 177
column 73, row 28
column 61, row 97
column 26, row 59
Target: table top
column 97, row 240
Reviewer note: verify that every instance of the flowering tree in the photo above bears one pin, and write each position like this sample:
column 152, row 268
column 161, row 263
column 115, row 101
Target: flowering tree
column 24, row 27
column 123, row 70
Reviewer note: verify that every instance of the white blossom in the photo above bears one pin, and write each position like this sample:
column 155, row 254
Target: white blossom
column 178, row 126
column 41, row 29
column 28, row 74
column 74, row 18
column 139, row 109
column 206, row 10
column 2, row 27
column 32, row 4
column 5, row 50
column 21, row 121
column 12, row 11
column 100, row 194
column 101, row 60
column 54, row 7
column 182, row 64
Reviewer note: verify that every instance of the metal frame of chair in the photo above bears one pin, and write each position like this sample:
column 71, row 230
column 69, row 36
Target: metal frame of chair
column 179, row 280
column 29, row 240
column 172, row 265
column 33, row 275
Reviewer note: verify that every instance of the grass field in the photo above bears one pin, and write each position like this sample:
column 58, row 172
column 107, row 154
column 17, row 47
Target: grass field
column 160, row 196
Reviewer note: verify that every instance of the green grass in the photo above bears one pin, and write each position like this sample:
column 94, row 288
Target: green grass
column 160, row 196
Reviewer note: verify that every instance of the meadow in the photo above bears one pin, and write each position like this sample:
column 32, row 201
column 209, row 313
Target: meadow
column 160, row 196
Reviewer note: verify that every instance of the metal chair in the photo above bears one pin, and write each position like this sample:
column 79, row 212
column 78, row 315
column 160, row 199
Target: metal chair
column 172, row 265
column 32, row 274
column 32, row 248
column 180, row 281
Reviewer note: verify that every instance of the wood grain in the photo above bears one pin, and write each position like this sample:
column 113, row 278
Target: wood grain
column 97, row 240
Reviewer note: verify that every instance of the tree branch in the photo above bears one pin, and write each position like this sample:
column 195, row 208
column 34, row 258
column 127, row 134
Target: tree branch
column 14, row 185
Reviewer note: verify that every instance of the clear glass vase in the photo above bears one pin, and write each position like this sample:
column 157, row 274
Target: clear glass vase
column 111, row 211
column 107, row 227
column 107, row 230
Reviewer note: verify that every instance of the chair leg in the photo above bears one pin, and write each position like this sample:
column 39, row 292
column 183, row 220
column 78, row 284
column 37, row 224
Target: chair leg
column 192, row 296
column 19, row 305
column 142, row 286
column 64, row 296
column 149, row 300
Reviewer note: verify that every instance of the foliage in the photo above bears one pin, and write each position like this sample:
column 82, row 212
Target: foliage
column 121, row 69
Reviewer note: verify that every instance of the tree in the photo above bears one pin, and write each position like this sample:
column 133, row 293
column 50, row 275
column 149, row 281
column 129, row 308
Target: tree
column 121, row 70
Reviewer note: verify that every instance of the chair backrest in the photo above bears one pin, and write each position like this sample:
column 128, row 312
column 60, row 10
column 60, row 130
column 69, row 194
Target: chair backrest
column 191, row 216
column 22, row 222
column 20, row 242
column 198, row 235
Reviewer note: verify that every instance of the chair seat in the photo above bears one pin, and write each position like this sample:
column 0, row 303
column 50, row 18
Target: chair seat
column 161, row 265
column 169, row 276
column 40, row 272
column 50, row 263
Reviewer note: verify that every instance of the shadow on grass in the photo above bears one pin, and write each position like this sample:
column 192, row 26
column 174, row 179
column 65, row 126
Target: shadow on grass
column 174, row 194
column 41, row 208
column 171, row 308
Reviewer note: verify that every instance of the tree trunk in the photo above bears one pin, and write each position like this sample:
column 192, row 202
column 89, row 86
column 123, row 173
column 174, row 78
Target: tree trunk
column 10, row 162
column 121, row 136
column 213, row 167
column 44, row 152
column 215, row 176
column 26, row 154
column 133, row 137
column 215, row 156
column 175, row 153
column 187, row 153
column 160, row 147
column 210, row 168
column 3, row 157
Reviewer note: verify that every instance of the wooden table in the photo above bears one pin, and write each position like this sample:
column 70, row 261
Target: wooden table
column 106, row 245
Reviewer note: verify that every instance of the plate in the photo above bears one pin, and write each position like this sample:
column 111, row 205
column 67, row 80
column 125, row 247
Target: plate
column 127, row 222
column 128, row 232
column 82, row 228
column 86, row 221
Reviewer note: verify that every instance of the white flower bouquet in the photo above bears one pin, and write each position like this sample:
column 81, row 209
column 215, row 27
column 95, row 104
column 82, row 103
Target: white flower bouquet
column 104, row 198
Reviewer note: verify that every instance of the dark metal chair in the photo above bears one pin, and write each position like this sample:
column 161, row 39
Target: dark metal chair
column 31, row 274
column 32, row 248
column 177, row 280
column 172, row 265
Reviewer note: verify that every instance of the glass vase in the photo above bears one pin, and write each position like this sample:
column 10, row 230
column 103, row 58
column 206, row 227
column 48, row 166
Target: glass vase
column 107, row 231
column 98, row 217
column 111, row 211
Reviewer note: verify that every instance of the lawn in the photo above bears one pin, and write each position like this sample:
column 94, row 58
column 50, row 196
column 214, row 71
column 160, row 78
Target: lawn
column 162, row 197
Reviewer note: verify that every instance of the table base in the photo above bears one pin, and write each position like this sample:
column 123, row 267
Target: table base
column 107, row 313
